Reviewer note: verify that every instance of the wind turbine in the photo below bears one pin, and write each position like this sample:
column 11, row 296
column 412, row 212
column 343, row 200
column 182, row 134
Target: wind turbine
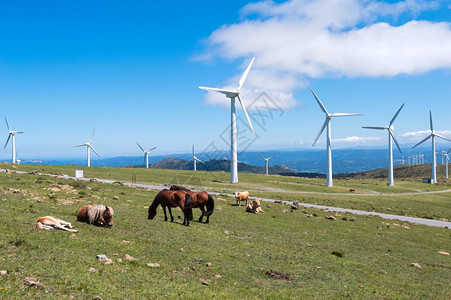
column 434, row 157
column 391, row 138
column 233, row 94
column 445, row 155
column 329, row 116
column 195, row 160
column 266, row 162
column 88, row 147
column 146, row 154
column 12, row 133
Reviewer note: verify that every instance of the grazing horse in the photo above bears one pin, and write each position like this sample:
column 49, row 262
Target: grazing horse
column 170, row 199
column 49, row 223
column 98, row 215
column 199, row 200
column 241, row 196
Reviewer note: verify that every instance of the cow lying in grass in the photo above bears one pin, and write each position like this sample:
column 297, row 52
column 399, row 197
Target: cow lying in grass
column 241, row 196
column 254, row 207
column 49, row 223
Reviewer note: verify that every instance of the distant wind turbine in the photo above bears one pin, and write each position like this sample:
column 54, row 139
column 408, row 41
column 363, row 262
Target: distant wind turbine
column 88, row 148
column 12, row 133
column 233, row 94
column 434, row 157
column 266, row 162
column 391, row 138
column 445, row 155
column 195, row 160
column 329, row 116
column 146, row 154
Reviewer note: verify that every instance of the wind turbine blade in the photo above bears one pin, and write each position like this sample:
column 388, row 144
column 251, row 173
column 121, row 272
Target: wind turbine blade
column 345, row 114
column 430, row 119
column 192, row 159
column 247, row 115
column 320, row 132
column 244, row 76
column 449, row 151
column 7, row 140
column 392, row 134
column 323, row 108
column 193, row 150
column 94, row 150
column 200, row 161
column 17, row 132
column 92, row 136
column 153, row 149
column 427, row 138
column 378, row 128
column 442, row 137
column 80, row 145
column 140, row 147
column 269, row 158
column 7, row 125
column 262, row 156
column 222, row 91
column 397, row 113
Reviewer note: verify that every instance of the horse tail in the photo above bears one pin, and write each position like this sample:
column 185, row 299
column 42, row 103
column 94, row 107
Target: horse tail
column 188, row 207
column 153, row 207
column 210, row 206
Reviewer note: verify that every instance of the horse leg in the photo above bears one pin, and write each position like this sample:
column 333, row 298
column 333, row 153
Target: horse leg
column 170, row 213
column 203, row 213
column 165, row 215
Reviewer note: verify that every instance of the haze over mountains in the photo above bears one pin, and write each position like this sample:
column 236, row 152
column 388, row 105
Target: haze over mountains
column 311, row 161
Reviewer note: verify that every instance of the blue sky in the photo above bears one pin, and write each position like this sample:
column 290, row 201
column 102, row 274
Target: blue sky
column 131, row 70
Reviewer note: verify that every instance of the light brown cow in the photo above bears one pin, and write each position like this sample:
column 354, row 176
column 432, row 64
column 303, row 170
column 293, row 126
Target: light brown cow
column 241, row 196
column 254, row 207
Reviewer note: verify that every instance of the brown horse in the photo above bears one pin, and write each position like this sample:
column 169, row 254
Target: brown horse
column 98, row 215
column 170, row 199
column 199, row 200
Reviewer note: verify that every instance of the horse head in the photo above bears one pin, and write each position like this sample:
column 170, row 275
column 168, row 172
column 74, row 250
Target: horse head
column 106, row 217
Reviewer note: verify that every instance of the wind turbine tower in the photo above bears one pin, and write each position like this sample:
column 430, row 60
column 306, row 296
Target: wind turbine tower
column 329, row 116
column 195, row 160
column 432, row 136
column 12, row 133
column 233, row 94
column 88, row 148
column 146, row 154
column 266, row 163
column 391, row 138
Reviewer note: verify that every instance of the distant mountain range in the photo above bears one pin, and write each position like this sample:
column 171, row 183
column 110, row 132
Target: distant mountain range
column 283, row 161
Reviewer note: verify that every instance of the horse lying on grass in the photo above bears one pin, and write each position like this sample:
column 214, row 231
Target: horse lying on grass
column 254, row 207
column 199, row 200
column 168, row 198
column 98, row 215
column 49, row 223
column 241, row 196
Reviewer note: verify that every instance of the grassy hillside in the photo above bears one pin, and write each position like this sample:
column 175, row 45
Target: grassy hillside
column 413, row 172
column 370, row 194
column 278, row 254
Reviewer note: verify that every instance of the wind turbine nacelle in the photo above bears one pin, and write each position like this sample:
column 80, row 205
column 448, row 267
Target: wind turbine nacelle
column 392, row 127
column 232, row 94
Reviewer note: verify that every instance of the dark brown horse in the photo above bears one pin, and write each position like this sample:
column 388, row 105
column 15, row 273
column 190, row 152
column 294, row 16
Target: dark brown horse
column 199, row 200
column 167, row 198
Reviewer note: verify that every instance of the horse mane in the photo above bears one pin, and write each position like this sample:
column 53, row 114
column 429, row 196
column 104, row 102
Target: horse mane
column 179, row 188
column 95, row 211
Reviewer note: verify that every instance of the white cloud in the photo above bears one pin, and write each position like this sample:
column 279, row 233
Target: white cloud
column 298, row 40
column 356, row 139
column 412, row 135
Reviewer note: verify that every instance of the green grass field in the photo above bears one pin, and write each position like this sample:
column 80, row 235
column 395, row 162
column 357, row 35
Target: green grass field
column 351, row 256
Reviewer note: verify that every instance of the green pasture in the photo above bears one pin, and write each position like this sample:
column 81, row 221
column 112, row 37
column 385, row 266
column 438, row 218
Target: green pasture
column 369, row 195
column 278, row 254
